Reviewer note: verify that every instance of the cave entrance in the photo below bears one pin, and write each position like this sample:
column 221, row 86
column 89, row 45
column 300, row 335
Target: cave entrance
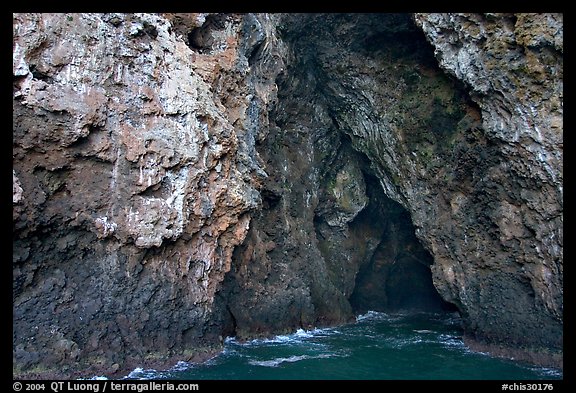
column 395, row 276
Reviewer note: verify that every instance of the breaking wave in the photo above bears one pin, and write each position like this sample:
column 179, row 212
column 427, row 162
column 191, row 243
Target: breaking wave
column 377, row 346
column 295, row 358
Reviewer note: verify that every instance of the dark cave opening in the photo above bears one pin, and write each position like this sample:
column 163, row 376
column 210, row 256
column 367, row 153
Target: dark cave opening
column 315, row 254
column 396, row 276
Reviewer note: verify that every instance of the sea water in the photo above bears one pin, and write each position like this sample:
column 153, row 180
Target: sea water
column 378, row 346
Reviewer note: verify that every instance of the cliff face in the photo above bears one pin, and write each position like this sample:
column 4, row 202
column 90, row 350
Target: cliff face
column 512, row 204
column 372, row 136
column 329, row 240
column 182, row 177
column 134, row 173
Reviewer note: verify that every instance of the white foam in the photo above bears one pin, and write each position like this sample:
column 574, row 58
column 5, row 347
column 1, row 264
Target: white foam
column 140, row 373
column 295, row 358
column 371, row 315
column 303, row 333
column 230, row 340
column 136, row 371
column 380, row 316
column 551, row 372
column 299, row 336
column 180, row 366
column 452, row 341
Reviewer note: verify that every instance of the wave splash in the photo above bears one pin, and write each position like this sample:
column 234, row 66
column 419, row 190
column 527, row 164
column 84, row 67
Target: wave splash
column 378, row 344
column 299, row 335
column 292, row 359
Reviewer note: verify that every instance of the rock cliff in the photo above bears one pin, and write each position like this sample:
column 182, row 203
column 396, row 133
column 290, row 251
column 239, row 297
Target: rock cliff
column 512, row 65
column 182, row 177
column 134, row 173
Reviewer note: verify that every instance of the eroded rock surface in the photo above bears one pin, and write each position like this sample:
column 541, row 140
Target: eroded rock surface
column 134, row 175
column 182, row 177
column 513, row 67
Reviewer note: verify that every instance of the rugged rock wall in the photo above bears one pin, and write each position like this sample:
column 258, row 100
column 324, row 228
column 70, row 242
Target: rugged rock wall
column 507, row 221
column 182, row 177
column 134, row 173
column 476, row 166
column 328, row 241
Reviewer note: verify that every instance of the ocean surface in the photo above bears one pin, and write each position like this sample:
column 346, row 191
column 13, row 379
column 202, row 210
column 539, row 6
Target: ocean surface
column 378, row 346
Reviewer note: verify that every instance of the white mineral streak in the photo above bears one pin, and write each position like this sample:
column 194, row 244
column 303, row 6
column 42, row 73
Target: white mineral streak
column 16, row 189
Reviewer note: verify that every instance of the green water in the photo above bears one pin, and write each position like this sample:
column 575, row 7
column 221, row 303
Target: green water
column 377, row 346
